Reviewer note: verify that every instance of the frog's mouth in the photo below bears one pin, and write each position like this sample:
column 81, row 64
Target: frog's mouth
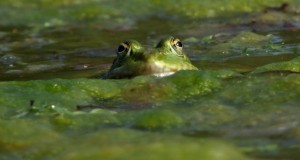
column 161, row 69
column 163, row 74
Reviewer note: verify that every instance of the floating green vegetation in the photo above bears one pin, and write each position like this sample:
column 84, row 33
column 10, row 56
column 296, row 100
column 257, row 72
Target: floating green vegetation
column 52, row 13
column 81, row 115
column 286, row 66
column 31, row 141
column 69, row 93
column 241, row 45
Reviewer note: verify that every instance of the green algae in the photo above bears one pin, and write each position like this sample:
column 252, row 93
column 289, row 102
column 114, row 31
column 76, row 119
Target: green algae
column 158, row 120
column 155, row 146
column 53, row 92
column 69, row 93
column 200, row 118
column 108, row 143
column 104, row 11
column 126, row 144
column 287, row 66
column 243, row 44
column 17, row 139
column 181, row 85
column 254, row 105
column 202, row 9
column 264, row 91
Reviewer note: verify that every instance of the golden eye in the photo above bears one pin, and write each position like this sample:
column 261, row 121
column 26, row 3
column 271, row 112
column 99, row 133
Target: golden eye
column 179, row 44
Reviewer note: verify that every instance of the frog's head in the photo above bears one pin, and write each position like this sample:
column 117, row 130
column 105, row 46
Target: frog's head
column 168, row 57
column 171, row 45
column 128, row 50
column 130, row 57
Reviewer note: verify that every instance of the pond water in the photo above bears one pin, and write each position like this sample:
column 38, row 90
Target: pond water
column 243, row 103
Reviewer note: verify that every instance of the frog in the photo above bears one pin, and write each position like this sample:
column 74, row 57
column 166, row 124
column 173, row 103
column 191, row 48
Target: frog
column 165, row 59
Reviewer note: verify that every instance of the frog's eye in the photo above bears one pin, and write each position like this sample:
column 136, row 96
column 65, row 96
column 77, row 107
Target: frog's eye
column 179, row 44
column 121, row 48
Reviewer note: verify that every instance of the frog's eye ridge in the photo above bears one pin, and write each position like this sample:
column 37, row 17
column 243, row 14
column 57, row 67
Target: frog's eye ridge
column 127, row 43
column 121, row 48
